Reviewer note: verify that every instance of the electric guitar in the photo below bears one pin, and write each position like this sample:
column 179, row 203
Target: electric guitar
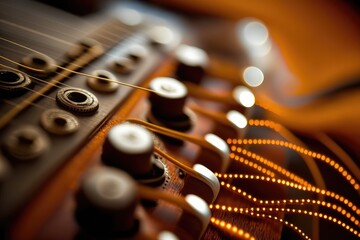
column 139, row 122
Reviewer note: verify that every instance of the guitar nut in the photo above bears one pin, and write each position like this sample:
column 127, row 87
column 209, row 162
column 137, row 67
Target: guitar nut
column 77, row 100
column 59, row 122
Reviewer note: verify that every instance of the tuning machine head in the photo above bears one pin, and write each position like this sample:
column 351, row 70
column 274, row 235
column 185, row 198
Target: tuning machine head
column 168, row 105
column 191, row 63
column 129, row 147
column 106, row 202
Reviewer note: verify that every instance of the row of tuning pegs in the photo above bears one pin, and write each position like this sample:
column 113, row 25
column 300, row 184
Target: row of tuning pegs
column 108, row 196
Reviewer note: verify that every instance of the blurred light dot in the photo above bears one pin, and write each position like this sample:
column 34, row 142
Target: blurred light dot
column 244, row 96
column 161, row 35
column 255, row 33
column 237, row 118
column 217, row 142
column 130, row 17
column 253, row 76
column 166, row 235
column 192, row 56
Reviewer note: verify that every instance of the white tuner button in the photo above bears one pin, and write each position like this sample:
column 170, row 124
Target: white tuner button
column 215, row 162
column 237, row 119
column 244, row 96
column 199, row 217
column 208, row 183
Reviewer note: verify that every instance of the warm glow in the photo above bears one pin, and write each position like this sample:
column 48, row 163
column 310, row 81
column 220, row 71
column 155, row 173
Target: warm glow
column 193, row 56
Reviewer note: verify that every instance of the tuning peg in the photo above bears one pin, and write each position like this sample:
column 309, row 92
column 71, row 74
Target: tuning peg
column 191, row 63
column 168, row 105
column 129, row 147
column 106, row 202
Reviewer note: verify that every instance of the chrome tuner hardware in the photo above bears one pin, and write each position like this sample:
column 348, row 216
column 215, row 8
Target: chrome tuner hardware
column 209, row 184
column 13, row 83
column 215, row 162
column 191, row 63
column 106, row 203
column 59, row 122
column 103, row 85
column 168, row 105
column 39, row 65
column 26, row 143
column 130, row 147
column 77, row 100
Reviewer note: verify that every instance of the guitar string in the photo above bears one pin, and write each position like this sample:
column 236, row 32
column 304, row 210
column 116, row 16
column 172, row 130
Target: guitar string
column 348, row 177
column 301, row 202
column 16, row 104
column 127, row 34
column 328, row 217
column 289, row 210
column 94, row 29
column 68, row 43
column 281, row 130
column 66, row 69
column 297, row 179
column 238, row 191
column 323, row 138
column 67, row 62
column 269, row 217
column 231, row 229
column 270, row 164
column 42, row 81
column 335, row 196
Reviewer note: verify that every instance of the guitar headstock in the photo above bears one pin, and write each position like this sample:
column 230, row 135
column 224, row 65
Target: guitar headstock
column 138, row 123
